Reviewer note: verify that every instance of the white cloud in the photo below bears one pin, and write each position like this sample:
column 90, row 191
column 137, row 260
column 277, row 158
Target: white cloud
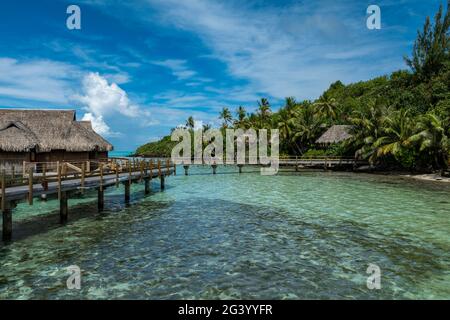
column 99, row 124
column 177, row 67
column 291, row 50
column 102, row 100
column 37, row 80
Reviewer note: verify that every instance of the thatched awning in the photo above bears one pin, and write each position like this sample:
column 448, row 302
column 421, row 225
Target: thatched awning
column 46, row 130
column 335, row 134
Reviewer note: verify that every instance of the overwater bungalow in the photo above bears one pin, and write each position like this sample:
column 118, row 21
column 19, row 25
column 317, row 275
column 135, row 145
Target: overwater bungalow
column 48, row 136
column 335, row 134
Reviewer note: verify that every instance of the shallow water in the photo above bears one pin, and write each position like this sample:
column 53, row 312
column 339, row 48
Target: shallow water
column 306, row 235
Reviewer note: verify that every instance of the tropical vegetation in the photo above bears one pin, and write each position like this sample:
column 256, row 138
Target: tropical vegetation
column 401, row 120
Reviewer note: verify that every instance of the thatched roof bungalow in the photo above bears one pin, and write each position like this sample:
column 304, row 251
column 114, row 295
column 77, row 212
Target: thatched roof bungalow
column 335, row 134
column 47, row 136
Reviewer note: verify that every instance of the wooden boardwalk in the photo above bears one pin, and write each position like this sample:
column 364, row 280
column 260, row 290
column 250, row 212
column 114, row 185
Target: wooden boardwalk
column 42, row 179
column 296, row 163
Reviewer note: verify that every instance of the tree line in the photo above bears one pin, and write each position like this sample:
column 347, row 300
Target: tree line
column 401, row 120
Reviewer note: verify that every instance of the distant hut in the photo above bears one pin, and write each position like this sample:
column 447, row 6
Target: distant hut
column 48, row 136
column 335, row 134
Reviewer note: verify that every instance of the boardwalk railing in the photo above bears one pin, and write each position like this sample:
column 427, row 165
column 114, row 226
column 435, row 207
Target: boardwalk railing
column 62, row 177
column 45, row 173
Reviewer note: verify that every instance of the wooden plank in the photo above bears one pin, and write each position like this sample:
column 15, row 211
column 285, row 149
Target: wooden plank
column 73, row 167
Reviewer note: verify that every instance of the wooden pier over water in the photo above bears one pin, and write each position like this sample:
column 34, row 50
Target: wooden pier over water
column 296, row 163
column 39, row 179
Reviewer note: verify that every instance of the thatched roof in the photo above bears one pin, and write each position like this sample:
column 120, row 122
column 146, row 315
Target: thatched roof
column 335, row 134
column 46, row 130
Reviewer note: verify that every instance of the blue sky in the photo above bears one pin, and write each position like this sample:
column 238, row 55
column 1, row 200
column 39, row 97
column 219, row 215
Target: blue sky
column 139, row 68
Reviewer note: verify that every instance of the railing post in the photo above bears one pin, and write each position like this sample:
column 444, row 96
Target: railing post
column 129, row 172
column 3, row 181
column 167, row 167
column 58, row 168
column 117, row 176
column 30, row 186
column 83, row 176
column 159, row 168
column 101, row 176
column 151, row 168
column 44, row 175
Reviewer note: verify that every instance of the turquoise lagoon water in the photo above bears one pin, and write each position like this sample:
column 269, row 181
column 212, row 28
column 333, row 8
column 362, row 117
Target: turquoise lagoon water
column 291, row 236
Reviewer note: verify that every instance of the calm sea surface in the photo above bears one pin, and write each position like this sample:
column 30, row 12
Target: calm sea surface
column 291, row 236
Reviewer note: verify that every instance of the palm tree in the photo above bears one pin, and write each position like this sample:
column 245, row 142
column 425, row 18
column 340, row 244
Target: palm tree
column 241, row 115
column 264, row 111
column 206, row 127
column 432, row 140
column 327, row 107
column 395, row 138
column 190, row 123
column 226, row 116
column 285, row 124
column 366, row 129
column 306, row 127
column 290, row 104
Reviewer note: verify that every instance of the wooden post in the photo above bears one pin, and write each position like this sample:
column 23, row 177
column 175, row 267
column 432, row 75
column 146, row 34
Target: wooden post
column 127, row 191
column 3, row 181
column 13, row 175
column 44, row 173
column 186, row 169
column 147, row 185
column 101, row 177
column 117, row 176
column 83, row 176
column 240, row 168
column 63, row 208
column 24, row 164
column 30, row 186
column 167, row 166
column 129, row 172
column 88, row 167
column 151, row 168
column 159, row 168
column 214, row 167
column 174, row 169
column 7, row 222
column 162, row 182
column 59, row 179
column 100, row 199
